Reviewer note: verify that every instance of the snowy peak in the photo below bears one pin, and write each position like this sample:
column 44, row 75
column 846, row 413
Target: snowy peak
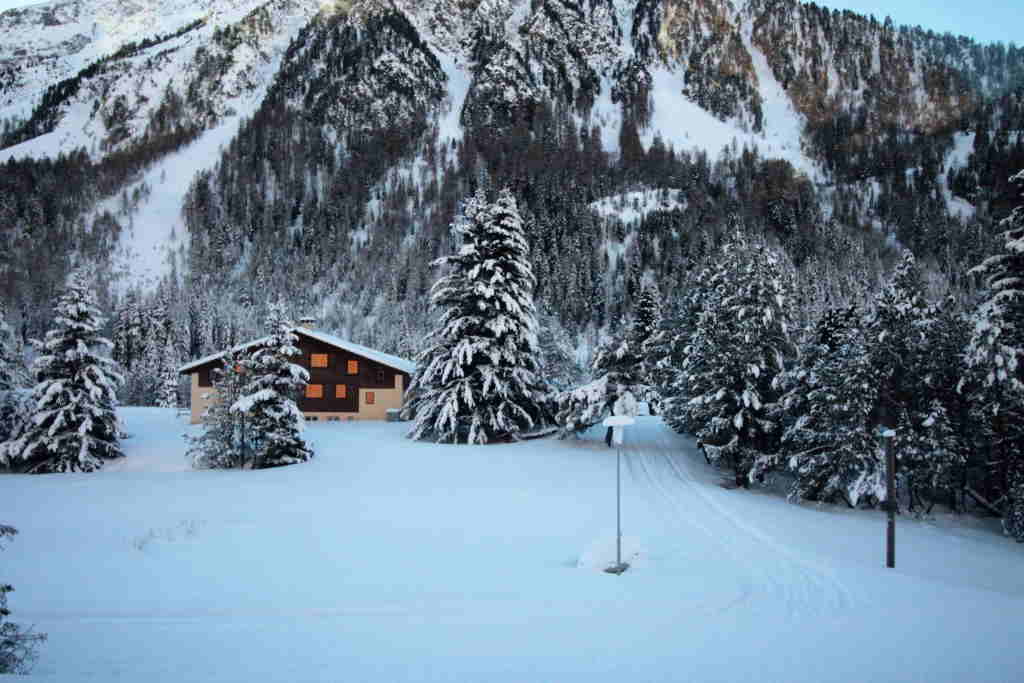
column 47, row 43
column 202, row 68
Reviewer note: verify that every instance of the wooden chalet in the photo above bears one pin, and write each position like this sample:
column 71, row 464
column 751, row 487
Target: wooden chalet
column 346, row 381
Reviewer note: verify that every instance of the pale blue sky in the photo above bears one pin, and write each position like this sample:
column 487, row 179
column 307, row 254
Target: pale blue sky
column 985, row 20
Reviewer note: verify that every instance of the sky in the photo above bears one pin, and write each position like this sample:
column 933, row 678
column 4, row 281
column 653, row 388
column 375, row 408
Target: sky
column 984, row 20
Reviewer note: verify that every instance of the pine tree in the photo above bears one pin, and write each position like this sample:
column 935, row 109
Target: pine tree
column 269, row 396
column 73, row 426
column 167, row 383
column 225, row 442
column 559, row 368
column 665, row 353
column 13, row 402
column 738, row 348
column 8, row 358
column 616, row 391
column 899, row 335
column 996, row 354
column 829, row 400
column 478, row 380
column 646, row 319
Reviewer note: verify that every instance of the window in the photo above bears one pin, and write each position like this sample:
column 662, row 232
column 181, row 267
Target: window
column 319, row 360
column 380, row 376
column 353, row 367
column 340, row 391
column 371, row 398
column 314, row 391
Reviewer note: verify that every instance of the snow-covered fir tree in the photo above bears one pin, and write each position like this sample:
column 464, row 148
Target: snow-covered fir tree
column 14, row 402
column 9, row 361
column 477, row 381
column 268, row 398
column 996, row 353
column 225, row 441
column 617, row 389
column 73, row 426
column 167, row 380
column 665, row 350
column 898, row 335
column 739, row 347
column 829, row 442
column 559, row 368
column 621, row 375
column 646, row 319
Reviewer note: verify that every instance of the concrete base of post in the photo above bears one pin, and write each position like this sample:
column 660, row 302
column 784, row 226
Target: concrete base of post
column 617, row 568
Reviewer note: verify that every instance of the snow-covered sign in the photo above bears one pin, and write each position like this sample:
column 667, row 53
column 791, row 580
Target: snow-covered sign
column 618, row 423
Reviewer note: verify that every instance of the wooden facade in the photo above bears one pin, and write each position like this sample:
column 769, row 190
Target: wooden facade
column 343, row 384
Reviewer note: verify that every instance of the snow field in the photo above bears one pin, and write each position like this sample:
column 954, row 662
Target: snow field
column 390, row 560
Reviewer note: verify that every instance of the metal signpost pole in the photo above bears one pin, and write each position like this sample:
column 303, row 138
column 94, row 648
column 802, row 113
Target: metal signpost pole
column 618, row 506
column 618, row 423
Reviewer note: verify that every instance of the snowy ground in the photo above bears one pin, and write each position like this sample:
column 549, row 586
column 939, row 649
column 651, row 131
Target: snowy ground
column 388, row 560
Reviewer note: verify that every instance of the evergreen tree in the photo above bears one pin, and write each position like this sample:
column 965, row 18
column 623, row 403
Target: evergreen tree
column 225, row 441
column 268, row 398
column 899, row 332
column 830, row 397
column 9, row 361
column 167, row 382
column 738, row 349
column 478, row 380
column 665, row 353
column 13, row 403
column 996, row 353
column 616, row 391
column 559, row 368
column 73, row 426
column 646, row 319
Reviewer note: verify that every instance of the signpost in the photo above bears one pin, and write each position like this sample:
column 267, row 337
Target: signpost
column 618, row 424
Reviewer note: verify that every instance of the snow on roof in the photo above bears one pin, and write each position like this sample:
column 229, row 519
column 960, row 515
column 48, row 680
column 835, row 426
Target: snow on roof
column 371, row 354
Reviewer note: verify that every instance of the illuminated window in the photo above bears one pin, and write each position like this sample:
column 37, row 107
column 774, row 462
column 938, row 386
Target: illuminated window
column 340, row 391
column 353, row 367
column 370, row 398
column 318, row 360
column 314, row 391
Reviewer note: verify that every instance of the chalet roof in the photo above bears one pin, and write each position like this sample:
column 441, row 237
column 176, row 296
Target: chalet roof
column 387, row 359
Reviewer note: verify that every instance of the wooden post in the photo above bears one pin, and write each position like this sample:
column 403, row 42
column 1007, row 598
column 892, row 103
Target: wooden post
column 890, row 487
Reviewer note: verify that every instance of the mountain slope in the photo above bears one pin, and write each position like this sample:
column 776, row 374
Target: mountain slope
column 342, row 135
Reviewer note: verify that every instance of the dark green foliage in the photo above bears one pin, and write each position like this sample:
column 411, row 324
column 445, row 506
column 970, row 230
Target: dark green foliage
column 268, row 398
column 73, row 426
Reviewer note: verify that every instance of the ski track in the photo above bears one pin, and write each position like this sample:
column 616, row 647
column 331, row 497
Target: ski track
column 657, row 464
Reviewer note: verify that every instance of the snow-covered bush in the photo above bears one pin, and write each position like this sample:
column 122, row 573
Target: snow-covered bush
column 478, row 379
column 73, row 425
column 17, row 645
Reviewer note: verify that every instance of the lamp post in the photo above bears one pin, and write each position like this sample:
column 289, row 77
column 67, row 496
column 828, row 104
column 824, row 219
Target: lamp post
column 618, row 423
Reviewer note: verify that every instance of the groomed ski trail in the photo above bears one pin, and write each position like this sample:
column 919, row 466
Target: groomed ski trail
column 669, row 471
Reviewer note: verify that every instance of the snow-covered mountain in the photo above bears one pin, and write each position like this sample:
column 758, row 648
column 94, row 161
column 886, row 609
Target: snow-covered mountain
column 388, row 103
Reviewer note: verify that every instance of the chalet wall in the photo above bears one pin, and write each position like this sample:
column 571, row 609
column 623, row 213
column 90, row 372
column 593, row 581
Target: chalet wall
column 201, row 398
column 386, row 383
